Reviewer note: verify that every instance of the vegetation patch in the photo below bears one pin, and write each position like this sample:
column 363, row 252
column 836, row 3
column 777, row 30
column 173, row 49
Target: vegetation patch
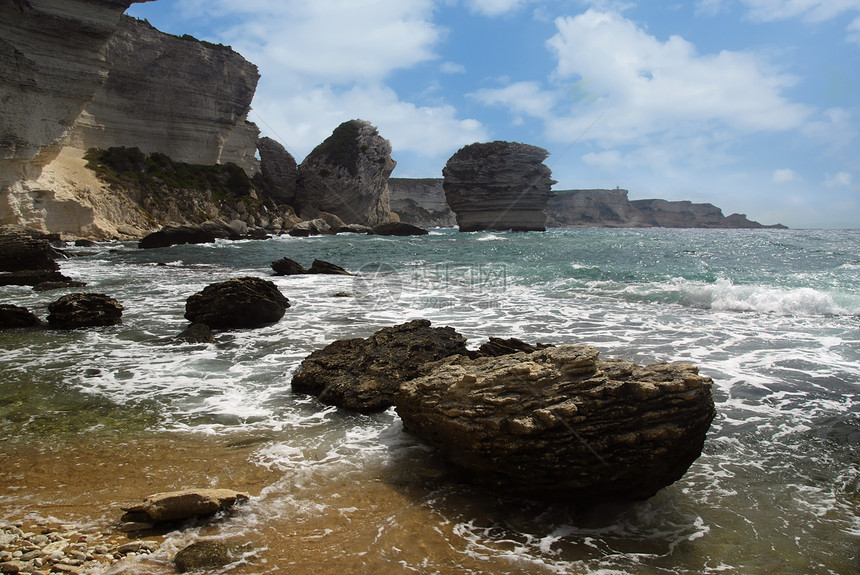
column 341, row 148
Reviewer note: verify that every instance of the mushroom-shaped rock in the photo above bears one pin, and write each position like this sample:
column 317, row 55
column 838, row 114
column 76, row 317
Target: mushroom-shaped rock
column 237, row 303
column 498, row 186
column 560, row 424
column 363, row 374
column 77, row 310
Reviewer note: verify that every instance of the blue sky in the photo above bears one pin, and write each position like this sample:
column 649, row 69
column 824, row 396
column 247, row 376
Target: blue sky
column 752, row 105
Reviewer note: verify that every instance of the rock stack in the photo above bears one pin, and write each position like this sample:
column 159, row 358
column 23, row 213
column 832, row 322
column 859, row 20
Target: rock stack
column 347, row 175
column 498, row 186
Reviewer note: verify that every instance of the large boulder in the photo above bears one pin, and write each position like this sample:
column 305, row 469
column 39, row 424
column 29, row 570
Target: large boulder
column 237, row 303
column 177, row 235
column 559, row 423
column 279, row 172
column 498, row 186
column 347, row 175
column 364, row 374
column 12, row 316
column 77, row 310
column 315, row 227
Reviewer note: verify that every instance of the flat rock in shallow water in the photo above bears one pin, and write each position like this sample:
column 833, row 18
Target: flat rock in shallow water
column 363, row 374
column 237, row 303
column 560, row 424
column 179, row 505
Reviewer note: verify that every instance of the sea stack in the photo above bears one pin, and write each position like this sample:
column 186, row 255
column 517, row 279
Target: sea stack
column 347, row 175
column 498, row 186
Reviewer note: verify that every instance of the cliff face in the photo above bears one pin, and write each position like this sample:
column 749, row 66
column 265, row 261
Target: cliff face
column 347, row 175
column 421, row 202
column 178, row 96
column 76, row 74
column 52, row 62
column 612, row 208
column 498, row 186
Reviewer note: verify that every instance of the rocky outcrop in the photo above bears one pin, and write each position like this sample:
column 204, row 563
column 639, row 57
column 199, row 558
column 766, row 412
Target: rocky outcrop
column 13, row 317
column 613, row 209
column 364, row 374
column 279, row 172
column 421, row 202
column 237, row 303
column 21, row 250
column 398, row 229
column 559, row 423
column 79, row 310
column 498, row 186
column 347, row 175
column 181, row 505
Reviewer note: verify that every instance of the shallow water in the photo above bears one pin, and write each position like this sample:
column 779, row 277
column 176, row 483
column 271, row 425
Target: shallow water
column 771, row 316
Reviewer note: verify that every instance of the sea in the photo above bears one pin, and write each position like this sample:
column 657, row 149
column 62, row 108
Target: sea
column 772, row 316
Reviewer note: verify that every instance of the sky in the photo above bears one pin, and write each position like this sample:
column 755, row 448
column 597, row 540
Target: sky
column 751, row 105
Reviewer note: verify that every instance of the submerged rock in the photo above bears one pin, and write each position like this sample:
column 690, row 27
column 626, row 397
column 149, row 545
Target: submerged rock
column 78, row 310
column 202, row 555
column 237, row 303
column 560, row 424
column 498, row 186
column 363, row 374
column 12, row 317
column 197, row 333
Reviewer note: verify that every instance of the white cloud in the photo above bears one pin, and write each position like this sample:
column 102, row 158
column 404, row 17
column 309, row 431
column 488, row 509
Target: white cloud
column 452, row 68
column 650, row 86
column 496, row 7
column 854, row 31
column 812, row 10
column 840, row 180
column 783, row 176
column 521, row 98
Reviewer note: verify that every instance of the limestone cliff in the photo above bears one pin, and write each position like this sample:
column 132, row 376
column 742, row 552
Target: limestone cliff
column 174, row 95
column 613, row 209
column 498, row 186
column 76, row 74
column 347, row 175
column 421, row 202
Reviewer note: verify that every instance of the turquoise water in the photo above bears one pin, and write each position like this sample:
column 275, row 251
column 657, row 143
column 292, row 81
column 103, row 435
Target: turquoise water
column 772, row 316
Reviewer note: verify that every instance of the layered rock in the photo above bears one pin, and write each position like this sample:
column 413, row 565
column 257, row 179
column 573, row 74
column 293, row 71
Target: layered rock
column 364, row 374
column 237, row 303
column 169, row 94
column 92, row 77
column 347, row 175
column 559, row 423
column 498, row 186
column 421, row 202
column 180, row 505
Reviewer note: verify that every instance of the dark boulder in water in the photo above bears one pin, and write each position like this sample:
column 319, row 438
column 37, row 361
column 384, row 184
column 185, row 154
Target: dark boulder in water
column 35, row 278
column 197, row 333
column 364, row 374
column 560, row 424
column 289, row 267
column 324, row 267
column 398, row 229
column 78, row 310
column 12, row 317
column 177, row 235
column 237, row 303
column 22, row 250
column 202, row 555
